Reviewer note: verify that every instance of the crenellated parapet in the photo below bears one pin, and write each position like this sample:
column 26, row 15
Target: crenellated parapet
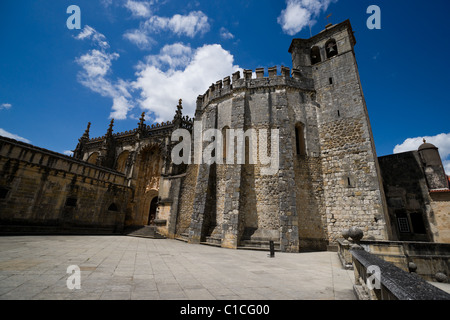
column 255, row 79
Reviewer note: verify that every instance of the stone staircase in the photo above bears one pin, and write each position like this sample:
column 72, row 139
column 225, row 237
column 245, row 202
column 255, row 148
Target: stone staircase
column 143, row 231
column 246, row 244
column 183, row 237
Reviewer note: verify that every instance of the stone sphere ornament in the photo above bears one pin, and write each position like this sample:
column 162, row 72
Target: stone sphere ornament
column 412, row 267
column 345, row 234
column 441, row 277
column 356, row 234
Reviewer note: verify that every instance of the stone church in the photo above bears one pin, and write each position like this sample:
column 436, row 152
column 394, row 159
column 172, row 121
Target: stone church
column 328, row 176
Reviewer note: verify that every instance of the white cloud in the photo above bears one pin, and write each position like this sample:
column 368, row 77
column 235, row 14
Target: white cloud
column 441, row 141
column 96, row 63
column 96, row 66
column 173, row 56
column 301, row 13
column 106, row 3
column 5, row 106
column 446, row 166
column 185, row 79
column 140, row 38
column 90, row 33
column 196, row 22
column 68, row 153
column 13, row 136
column 225, row 34
column 120, row 108
column 139, row 9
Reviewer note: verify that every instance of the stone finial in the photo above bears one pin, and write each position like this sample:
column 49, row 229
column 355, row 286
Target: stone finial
column 441, row 277
column 110, row 129
column 141, row 120
column 272, row 72
column 412, row 267
column 86, row 132
column 179, row 112
column 346, row 234
column 356, row 234
column 236, row 75
column 259, row 73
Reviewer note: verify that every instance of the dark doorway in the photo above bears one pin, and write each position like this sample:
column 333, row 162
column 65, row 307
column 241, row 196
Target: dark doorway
column 152, row 211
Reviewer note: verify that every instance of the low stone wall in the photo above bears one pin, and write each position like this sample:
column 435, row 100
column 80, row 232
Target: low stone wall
column 377, row 279
column 46, row 192
column 428, row 260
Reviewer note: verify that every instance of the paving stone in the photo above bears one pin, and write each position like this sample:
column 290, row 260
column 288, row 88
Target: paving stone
column 200, row 273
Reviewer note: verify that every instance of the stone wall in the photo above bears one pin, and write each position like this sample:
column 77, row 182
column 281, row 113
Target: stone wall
column 48, row 190
column 417, row 213
column 187, row 197
column 440, row 225
column 353, row 193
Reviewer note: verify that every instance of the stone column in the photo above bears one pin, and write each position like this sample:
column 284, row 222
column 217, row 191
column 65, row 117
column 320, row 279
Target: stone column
column 289, row 237
column 231, row 218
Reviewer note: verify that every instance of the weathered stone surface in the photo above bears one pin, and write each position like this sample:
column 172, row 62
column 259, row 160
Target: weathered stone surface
column 395, row 283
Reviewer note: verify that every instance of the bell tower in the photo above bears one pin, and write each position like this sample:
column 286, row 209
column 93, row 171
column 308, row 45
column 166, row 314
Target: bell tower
column 353, row 192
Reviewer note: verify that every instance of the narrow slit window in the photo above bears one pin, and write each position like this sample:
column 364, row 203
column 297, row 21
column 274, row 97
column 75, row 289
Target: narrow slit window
column 330, row 80
column 300, row 140
column 225, row 132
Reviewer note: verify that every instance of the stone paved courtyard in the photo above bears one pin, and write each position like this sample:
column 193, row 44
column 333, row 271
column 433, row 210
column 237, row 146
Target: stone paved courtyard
column 124, row 268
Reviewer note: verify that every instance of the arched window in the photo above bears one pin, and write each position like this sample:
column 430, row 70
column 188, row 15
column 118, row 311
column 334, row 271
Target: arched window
column 331, row 48
column 122, row 161
column 152, row 211
column 93, row 158
column 300, row 145
column 225, row 133
column 315, row 55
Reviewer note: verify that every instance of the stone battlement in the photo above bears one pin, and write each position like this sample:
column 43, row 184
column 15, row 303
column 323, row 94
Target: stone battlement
column 231, row 84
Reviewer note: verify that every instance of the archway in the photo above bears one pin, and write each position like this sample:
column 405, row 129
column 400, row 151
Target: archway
column 152, row 210
column 315, row 55
column 93, row 158
column 331, row 48
column 122, row 161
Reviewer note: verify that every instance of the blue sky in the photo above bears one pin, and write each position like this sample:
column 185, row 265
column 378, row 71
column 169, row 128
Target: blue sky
column 133, row 56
